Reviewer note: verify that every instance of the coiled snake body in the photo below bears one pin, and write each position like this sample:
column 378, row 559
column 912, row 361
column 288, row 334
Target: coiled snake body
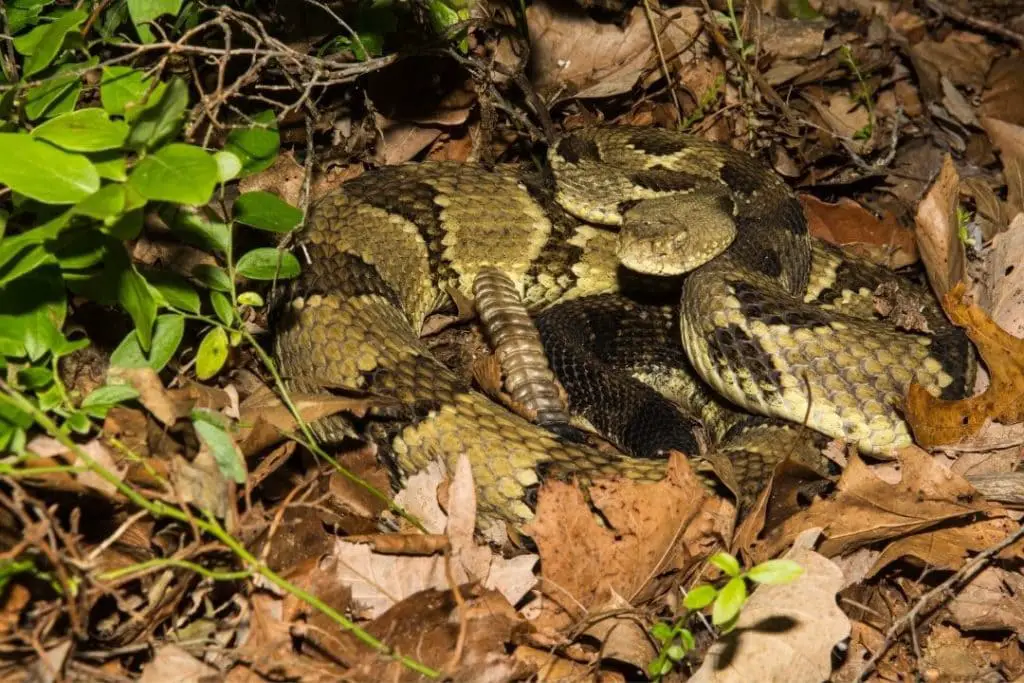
column 778, row 324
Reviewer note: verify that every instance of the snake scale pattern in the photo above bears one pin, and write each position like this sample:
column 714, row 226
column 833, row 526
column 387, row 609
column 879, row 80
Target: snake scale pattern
column 772, row 327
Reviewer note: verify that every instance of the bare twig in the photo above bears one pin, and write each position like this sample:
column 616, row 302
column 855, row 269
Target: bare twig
column 661, row 58
column 996, row 29
column 934, row 598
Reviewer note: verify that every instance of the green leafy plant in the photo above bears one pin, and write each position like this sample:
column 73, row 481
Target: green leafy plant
column 964, row 218
column 730, row 21
column 675, row 640
column 862, row 94
column 707, row 99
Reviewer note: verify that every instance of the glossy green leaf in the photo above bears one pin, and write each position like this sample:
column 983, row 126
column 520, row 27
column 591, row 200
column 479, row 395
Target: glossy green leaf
column 196, row 229
column 26, row 43
column 161, row 117
column 729, row 602
column 174, row 289
column 167, row 335
column 251, row 299
column 266, row 211
column 268, row 264
column 144, row 11
column 43, row 172
column 103, row 399
column 222, row 307
column 54, row 96
column 177, row 172
column 212, row 354
column 222, row 447
column 775, row 572
column 84, row 130
column 134, row 295
column 35, row 377
column 256, row 146
column 726, row 562
column 123, row 88
column 111, row 166
column 700, row 597
column 228, row 166
column 104, row 204
column 32, row 311
column 50, row 42
column 213, row 277
column 23, row 13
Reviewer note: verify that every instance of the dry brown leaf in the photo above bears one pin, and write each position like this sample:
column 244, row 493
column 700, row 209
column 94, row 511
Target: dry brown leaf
column 990, row 602
column 550, row 668
column 935, row 421
column 623, row 637
column 379, row 580
column 429, row 626
column 265, row 419
column 284, row 178
column 937, row 232
column 1003, row 97
column 201, row 483
column 583, row 562
column 171, row 663
column 866, row 509
column 785, row 633
column 1004, row 261
column 850, row 225
column 947, row 548
column 1008, row 138
column 402, row 141
column 573, row 55
column 789, row 38
column 962, row 57
column 152, row 394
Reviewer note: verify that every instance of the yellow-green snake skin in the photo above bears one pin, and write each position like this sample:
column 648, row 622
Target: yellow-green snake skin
column 775, row 322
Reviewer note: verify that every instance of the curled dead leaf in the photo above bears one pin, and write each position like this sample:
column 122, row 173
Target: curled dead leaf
column 936, row 421
column 937, row 232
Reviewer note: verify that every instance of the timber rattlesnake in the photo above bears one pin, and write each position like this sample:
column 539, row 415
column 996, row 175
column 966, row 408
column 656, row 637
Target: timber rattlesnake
column 768, row 316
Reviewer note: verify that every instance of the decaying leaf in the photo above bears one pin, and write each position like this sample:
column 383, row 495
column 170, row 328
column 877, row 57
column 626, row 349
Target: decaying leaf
column 173, row 663
column 152, row 394
column 651, row 529
column 867, row 509
column 785, row 633
column 379, row 580
column 937, row 233
column 935, row 421
column 1005, row 266
column 575, row 55
column 850, row 225
column 467, row 639
column 990, row 602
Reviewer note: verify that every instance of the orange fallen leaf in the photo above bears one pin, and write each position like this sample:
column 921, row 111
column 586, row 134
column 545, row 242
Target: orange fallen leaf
column 938, row 422
column 848, row 224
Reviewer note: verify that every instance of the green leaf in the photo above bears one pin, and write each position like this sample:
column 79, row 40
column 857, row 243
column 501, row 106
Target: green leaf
column 106, row 203
column 726, row 562
column 212, row 354
column 268, row 264
column 167, row 336
column 228, row 165
column 134, row 295
column 700, row 597
column 675, row 652
column 122, row 88
column 85, row 130
column 79, row 422
column 687, row 639
column 251, row 299
column 775, row 572
column 178, row 173
column 222, row 447
column 161, row 118
column 100, row 400
column 212, row 276
column 32, row 311
column 196, row 229
column 43, row 172
column 26, row 43
column 174, row 289
column 730, row 601
column 256, row 146
column 222, row 307
column 144, row 11
column 23, row 13
column 58, row 93
column 266, row 211
column 35, row 377
column 111, row 167
column 661, row 632
column 51, row 41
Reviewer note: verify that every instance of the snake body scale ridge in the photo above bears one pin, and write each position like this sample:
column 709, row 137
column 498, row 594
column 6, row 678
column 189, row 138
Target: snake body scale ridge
column 774, row 321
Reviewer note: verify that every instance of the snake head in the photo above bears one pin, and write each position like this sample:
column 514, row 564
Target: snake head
column 675, row 234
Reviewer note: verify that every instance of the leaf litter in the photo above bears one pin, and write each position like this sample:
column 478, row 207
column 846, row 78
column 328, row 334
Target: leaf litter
column 929, row 139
